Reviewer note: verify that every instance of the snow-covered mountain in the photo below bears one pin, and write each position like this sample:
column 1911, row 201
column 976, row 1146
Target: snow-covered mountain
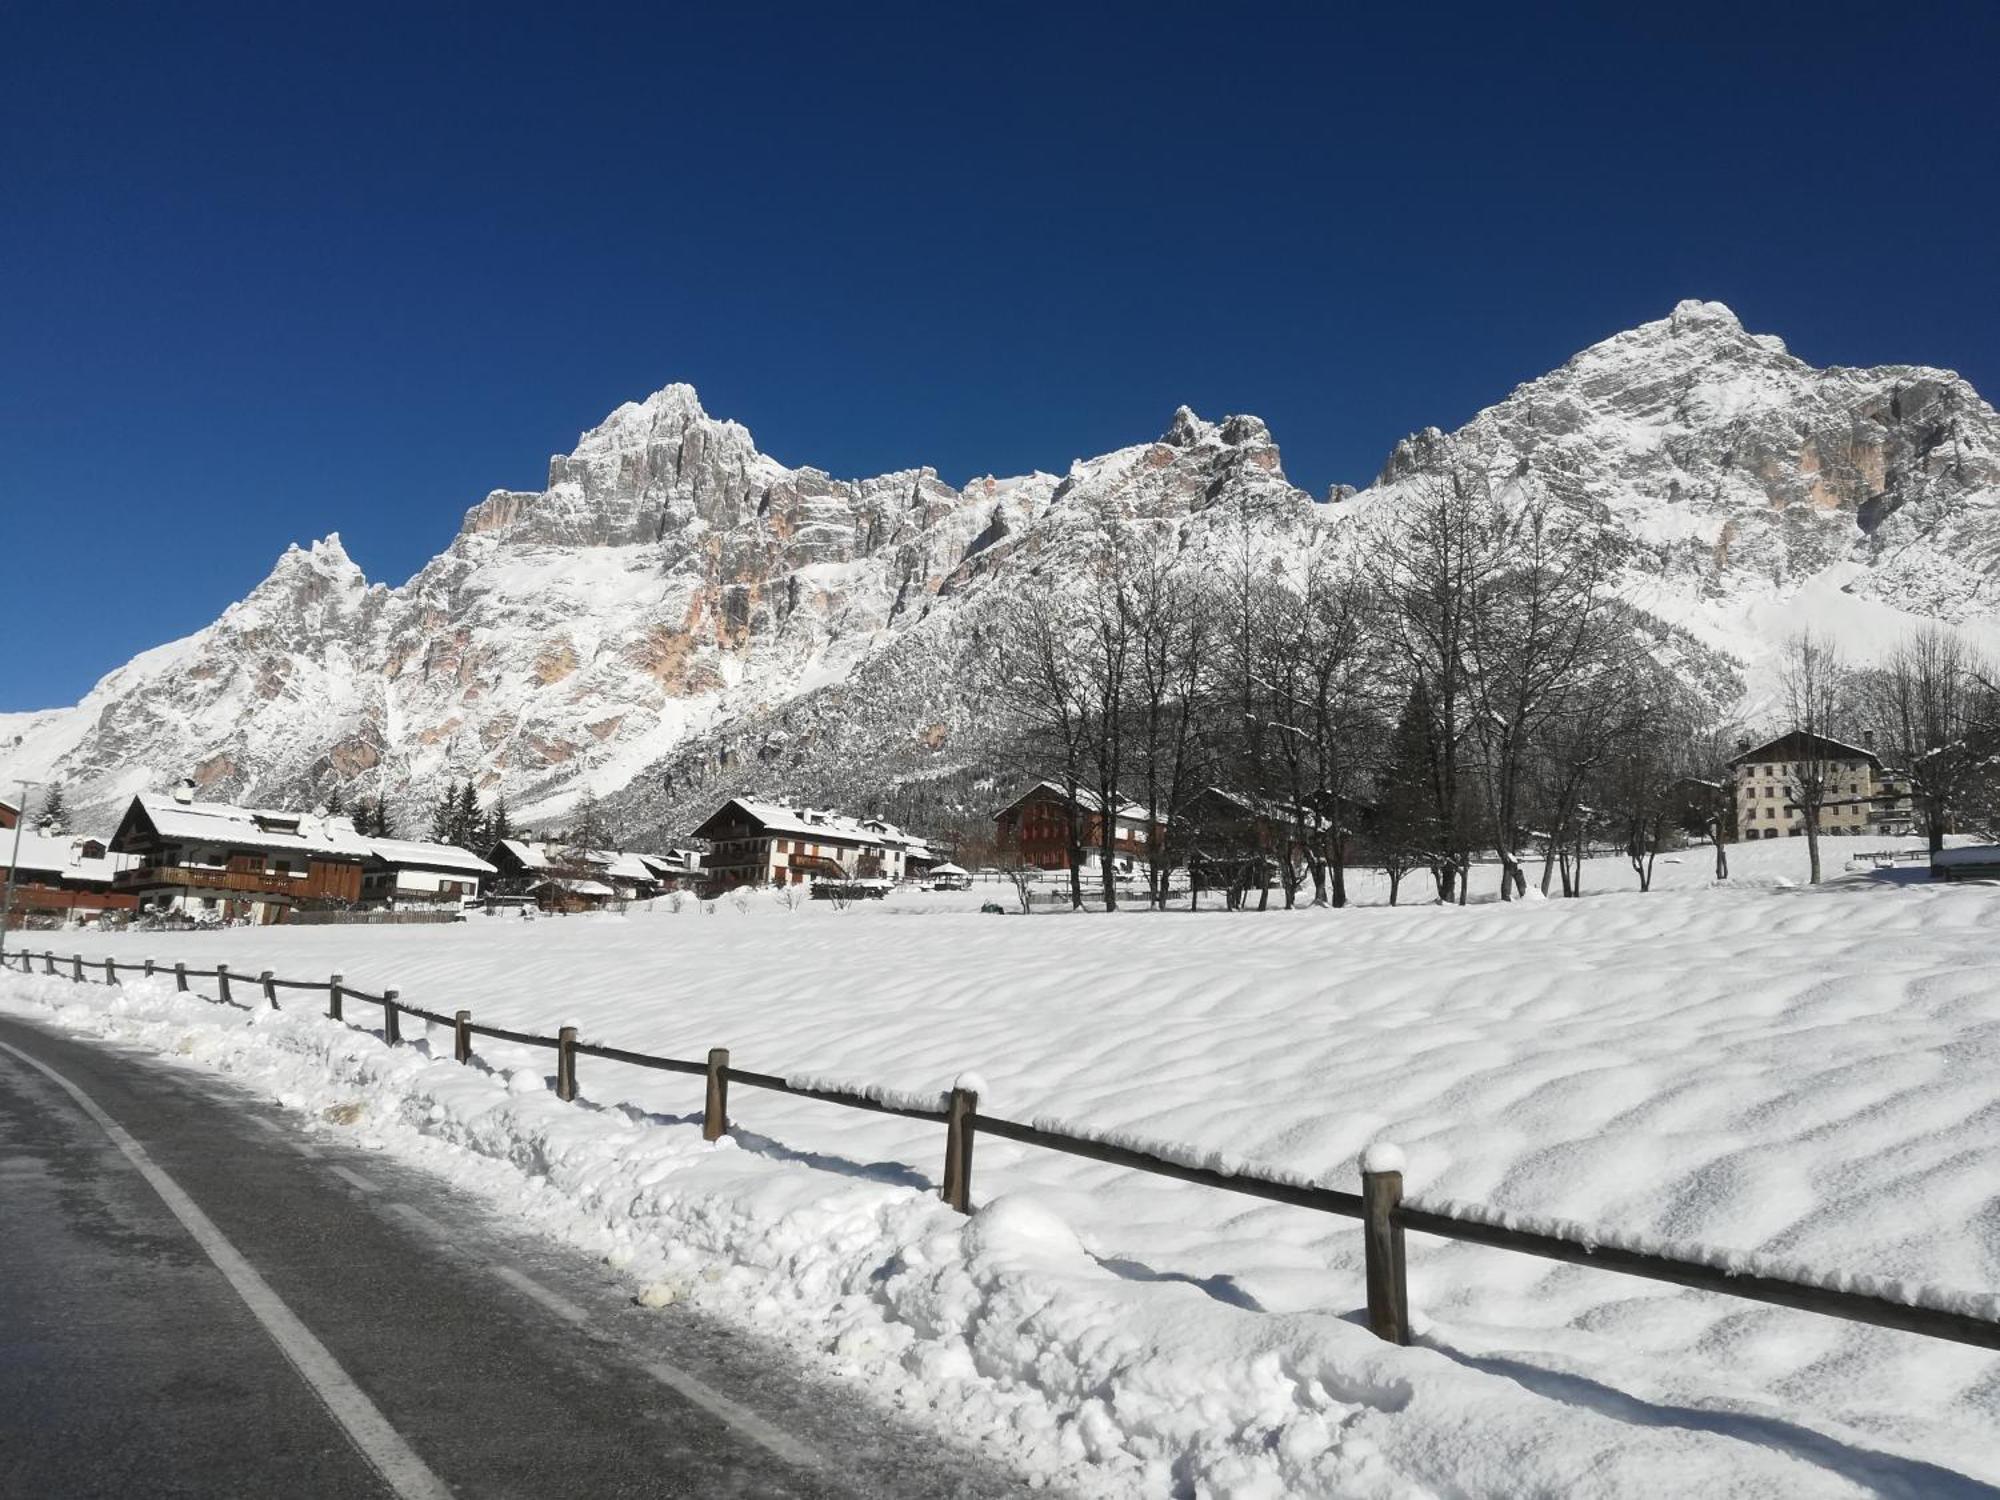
column 678, row 613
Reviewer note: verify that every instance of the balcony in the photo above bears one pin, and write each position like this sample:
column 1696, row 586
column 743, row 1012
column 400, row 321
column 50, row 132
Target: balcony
column 239, row 881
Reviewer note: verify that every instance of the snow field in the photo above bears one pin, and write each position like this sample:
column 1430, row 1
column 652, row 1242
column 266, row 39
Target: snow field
column 1803, row 1074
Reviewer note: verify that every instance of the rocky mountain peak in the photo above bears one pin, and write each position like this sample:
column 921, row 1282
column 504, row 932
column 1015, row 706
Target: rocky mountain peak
column 1186, row 429
column 678, row 608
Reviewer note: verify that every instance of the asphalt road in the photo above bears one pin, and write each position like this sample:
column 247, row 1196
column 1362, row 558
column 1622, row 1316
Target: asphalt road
column 225, row 1306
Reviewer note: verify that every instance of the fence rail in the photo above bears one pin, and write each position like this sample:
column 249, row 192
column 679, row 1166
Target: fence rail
column 1379, row 1205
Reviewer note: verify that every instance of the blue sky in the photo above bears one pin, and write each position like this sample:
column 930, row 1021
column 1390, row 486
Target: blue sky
column 270, row 273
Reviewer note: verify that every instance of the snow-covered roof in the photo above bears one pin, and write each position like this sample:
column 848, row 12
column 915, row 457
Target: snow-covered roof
column 1768, row 750
column 615, row 864
column 583, row 887
column 948, row 868
column 250, row 827
column 1270, row 810
column 814, row 823
column 673, row 862
column 421, row 854
column 63, row 856
column 1086, row 799
column 532, row 856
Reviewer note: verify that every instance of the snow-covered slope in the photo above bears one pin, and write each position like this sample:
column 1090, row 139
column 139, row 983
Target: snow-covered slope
column 1750, row 492
column 677, row 611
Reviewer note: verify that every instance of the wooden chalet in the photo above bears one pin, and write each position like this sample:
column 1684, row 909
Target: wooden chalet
column 1035, row 826
column 774, row 843
column 210, row 859
column 56, row 874
column 10, row 813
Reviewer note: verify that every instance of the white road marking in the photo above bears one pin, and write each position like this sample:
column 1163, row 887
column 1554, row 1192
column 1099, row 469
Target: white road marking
column 354, row 1179
column 561, row 1307
column 775, row 1441
column 378, row 1442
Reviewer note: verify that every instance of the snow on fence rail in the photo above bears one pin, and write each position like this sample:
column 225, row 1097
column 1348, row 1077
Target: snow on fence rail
column 1959, row 1316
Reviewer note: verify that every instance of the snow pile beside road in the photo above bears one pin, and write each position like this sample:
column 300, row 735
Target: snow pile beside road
column 1792, row 1073
column 1004, row 1327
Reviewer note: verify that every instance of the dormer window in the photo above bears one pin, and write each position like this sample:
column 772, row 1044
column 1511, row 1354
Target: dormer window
column 270, row 823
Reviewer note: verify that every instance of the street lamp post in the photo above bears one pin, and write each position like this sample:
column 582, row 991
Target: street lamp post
column 14, row 866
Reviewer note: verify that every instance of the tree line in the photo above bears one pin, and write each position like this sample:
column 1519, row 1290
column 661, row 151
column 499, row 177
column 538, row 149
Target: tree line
column 1449, row 682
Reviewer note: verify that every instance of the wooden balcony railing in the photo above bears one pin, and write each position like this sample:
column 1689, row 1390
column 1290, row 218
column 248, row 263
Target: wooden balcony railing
column 246, row 882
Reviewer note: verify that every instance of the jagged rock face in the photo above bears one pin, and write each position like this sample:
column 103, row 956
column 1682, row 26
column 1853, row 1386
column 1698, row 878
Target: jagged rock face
column 1727, row 464
column 678, row 613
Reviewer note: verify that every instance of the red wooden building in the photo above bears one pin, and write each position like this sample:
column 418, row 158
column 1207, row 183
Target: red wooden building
column 1036, row 826
column 57, row 873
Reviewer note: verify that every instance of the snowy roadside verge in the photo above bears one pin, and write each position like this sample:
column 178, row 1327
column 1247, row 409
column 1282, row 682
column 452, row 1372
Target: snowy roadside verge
column 1001, row 1328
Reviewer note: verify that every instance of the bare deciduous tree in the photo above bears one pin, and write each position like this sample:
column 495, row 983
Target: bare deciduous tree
column 1814, row 682
column 1933, row 717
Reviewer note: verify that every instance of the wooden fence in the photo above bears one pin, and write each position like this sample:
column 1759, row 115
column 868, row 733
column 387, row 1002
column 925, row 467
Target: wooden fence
column 1379, row 1205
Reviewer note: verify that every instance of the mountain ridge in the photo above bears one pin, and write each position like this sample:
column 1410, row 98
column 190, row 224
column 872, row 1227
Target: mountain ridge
column 673, row 595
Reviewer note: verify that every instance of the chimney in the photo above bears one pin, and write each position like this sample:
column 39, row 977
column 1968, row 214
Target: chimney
column 184, row 790
column 1867, row 739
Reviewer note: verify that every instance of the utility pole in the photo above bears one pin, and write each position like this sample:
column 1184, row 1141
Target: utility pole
column 14, row 865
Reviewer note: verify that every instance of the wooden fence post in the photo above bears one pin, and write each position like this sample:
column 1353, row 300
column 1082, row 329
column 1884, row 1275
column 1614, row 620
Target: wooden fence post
column 1382, row 1245
column 181, row 977
column 49, row 959
column 270, row 988
column 333, row 999
column 566, row 1063
column 715, row 1113
column 392, row 1018
column 77, row 960
column 461, row 1037
column 959, row 1117
column 222, row 982
column 149, row 968
column 110, row 972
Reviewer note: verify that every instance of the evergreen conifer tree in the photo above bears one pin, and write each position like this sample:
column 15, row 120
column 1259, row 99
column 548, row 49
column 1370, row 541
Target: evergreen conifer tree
column 444, row 815
column 500, row 825
column 55, row 809
column 467, row 824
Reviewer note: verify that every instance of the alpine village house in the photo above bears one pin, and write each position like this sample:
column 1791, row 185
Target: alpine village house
column 1860, row 796
column 237, row 863
column 775, row 843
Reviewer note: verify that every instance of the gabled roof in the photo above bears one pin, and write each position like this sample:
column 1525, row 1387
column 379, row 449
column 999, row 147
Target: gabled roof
column 422, row 855
column 246, row 827
column 673, row 862
column 62, row 856
column 1770, row 750
column 581, row 887
column 1086, row 799
column 811, row 822
column 1267, row 809
column 614, row 864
